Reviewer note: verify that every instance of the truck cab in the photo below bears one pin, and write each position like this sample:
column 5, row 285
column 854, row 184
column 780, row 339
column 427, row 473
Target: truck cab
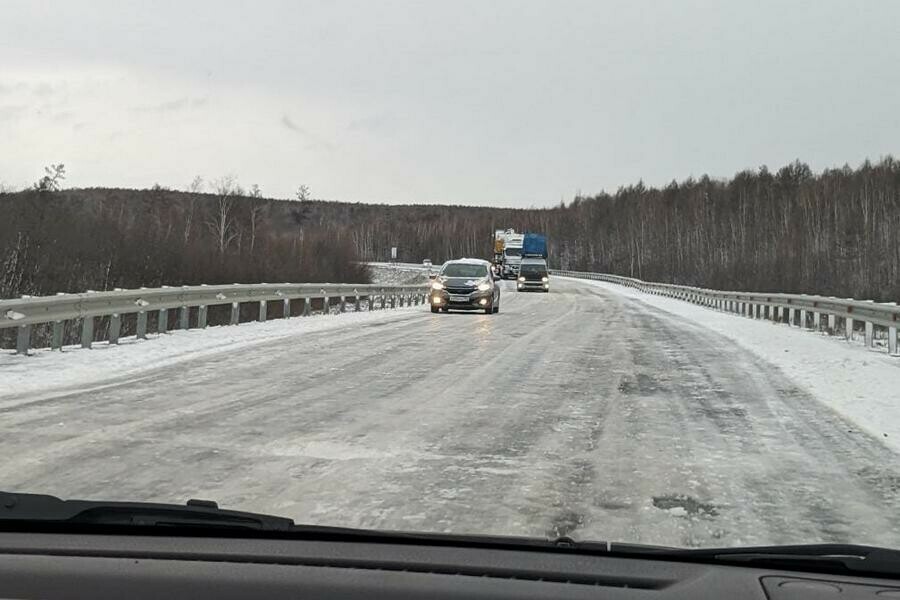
column 512, row 257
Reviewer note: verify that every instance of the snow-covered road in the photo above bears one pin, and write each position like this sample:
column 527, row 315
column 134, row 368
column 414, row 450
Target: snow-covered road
column 583, row 412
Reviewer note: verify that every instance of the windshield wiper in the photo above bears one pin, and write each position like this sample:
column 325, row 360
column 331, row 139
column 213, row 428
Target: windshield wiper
column 43, row 509
column 822, row 558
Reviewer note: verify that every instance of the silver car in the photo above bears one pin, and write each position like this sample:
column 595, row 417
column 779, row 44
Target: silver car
column 465, row 284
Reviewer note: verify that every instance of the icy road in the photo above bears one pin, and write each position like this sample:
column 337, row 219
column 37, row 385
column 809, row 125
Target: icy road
column 582, row 412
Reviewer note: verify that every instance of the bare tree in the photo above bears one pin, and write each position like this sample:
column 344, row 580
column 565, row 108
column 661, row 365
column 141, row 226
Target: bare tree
column 303, row 192
column 196, row 185
column 51, row 181
column 256, row 210
column 221, row 224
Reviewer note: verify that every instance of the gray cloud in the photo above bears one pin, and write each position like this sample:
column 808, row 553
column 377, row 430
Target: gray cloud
column 11, row 112
column 381, row 123
column 171, row 106
column 509, row 102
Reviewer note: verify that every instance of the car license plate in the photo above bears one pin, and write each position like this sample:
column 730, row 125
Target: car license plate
column 454, row 298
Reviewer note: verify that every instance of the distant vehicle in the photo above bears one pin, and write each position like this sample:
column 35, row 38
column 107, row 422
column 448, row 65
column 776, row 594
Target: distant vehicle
column 534, row 245
column 533, row 275
column 426, row 262
column 507, row 252
column 465, row 284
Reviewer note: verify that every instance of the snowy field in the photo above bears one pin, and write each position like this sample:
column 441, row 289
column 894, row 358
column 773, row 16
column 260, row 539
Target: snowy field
column 592, row 411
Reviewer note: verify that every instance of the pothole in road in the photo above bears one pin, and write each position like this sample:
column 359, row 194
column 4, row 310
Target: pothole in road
column 681, row 505
column 565, row 523
column 642, row 384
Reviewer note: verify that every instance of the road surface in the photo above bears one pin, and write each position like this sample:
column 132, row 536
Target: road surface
column 580, row 412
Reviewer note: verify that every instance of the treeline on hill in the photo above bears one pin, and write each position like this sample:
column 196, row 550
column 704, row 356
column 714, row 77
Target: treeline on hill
column 834, row 233
column 100, row 239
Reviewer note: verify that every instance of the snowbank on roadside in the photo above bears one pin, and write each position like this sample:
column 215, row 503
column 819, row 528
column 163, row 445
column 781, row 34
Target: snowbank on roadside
column 46, row 371
column 861, row 384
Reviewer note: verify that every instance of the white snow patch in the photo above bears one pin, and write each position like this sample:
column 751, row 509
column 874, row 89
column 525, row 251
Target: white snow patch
column 862, row 385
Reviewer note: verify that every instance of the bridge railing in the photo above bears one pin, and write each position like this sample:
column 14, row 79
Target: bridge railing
column 816, row 313
column 26, row 312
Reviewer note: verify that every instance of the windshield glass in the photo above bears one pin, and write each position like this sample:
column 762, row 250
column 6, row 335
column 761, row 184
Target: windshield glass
column 533, row 269
column 218, row 222
column 464, row 270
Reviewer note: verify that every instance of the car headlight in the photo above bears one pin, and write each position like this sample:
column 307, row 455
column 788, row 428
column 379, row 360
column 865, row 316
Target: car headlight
column 483, row 287
column 437, row 285
column 521, row 279
column 545, row 279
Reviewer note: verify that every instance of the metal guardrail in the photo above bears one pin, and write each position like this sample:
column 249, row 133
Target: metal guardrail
column 799, row 310
column 25, row 312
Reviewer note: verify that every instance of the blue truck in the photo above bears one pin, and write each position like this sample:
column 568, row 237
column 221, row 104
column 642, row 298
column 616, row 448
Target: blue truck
column 534, row 245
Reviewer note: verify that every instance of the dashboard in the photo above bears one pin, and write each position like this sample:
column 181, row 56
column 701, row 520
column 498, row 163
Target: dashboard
column 52, row 565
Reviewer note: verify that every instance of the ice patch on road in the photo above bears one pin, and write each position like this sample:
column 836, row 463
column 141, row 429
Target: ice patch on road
column 862, row 385
column 46, row 371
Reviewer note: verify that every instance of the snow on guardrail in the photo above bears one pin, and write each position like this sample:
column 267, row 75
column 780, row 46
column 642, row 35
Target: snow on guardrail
column 27, row 311
column 800, row 310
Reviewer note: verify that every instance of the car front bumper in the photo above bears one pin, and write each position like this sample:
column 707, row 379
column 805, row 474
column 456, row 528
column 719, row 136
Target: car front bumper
column 473, row 301
column 532, row 285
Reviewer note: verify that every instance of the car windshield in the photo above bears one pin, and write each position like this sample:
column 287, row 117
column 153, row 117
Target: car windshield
column 534, row 269
column 464, row 270
column 218, row 222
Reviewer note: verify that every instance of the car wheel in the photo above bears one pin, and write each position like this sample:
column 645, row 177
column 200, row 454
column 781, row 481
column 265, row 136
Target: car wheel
column 435, row 309
column 496, row 309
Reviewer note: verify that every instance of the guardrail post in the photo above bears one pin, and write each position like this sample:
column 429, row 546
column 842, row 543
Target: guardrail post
column 56, row 338
column 87, row 332
column 235, row 313
column 870, row 335
column 286, row 308
column 263, row 310
column 184, row 317
column 369, row 303
column 307, row 307
column 832, row 323
column 848, row 328
column 140, row 330
column 115, row 328
column 817, row 321
column 162, row 323
column 23, row 339
column 383, row 299
column 201, row 316
column 326, row 305
column 343, row 304
column 393, row 300
column 892, row 340
column 802, row 319
column 357, row 302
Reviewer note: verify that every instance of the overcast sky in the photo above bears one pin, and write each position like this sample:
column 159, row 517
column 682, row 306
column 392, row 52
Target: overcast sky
column 508, row 103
